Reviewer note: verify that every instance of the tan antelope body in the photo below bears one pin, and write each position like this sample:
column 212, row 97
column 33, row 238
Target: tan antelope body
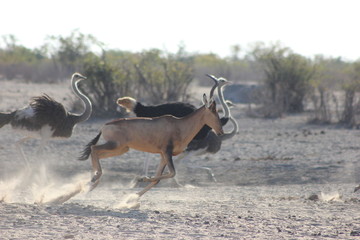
column 166, row 135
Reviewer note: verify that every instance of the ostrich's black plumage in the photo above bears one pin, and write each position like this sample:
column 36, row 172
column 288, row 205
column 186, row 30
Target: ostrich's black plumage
column 42, row 111
column 5, row 118
column 177, row 109
column 210, row 144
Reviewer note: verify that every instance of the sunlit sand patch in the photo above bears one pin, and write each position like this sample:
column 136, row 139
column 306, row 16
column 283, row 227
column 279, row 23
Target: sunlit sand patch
column 189, row 186
column 130, row 201
column 133, row 182
column 40, row 185
column 52, row 198
column 55, row 194
column 9, row 187
column 330, row 197
column 6, row 190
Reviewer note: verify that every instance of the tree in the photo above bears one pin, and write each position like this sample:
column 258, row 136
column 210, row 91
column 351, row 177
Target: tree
column 287, row 78
column 69, row 52
column 19, row 61
column 210, row 64
column 102, row 85
column 164, row 77
column 351, row 86
column 330, row 72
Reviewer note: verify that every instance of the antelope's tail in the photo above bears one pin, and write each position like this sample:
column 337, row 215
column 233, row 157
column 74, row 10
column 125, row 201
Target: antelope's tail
column 87, row 150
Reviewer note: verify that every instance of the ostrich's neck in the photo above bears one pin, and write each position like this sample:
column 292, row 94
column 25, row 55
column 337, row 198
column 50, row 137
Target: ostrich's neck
column 88, row 108
column 223, row 103
column 233, row 132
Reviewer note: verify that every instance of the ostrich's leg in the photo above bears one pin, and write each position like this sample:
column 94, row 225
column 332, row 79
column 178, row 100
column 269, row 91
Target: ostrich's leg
column 146, row 167
column 187, row 155
column 18, row 145
column 42, row 145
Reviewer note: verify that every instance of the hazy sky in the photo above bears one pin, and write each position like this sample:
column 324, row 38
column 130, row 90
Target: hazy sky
column 308, row 27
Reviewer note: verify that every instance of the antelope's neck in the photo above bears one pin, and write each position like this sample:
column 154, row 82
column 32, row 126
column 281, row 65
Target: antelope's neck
column 193, row 123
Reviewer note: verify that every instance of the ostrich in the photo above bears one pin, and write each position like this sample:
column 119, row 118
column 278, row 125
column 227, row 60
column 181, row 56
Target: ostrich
column 166, row 135
column 45, row 118
column 177, row 109
column 211, row 143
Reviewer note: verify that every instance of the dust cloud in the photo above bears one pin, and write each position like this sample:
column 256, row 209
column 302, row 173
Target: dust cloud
column 41, row 185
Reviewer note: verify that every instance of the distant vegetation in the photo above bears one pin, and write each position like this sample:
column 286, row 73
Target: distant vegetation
column 154, row 76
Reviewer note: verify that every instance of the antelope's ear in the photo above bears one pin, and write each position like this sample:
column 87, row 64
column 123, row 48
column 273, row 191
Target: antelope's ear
column 212, row 106
column 205, row 101
column 211, row 100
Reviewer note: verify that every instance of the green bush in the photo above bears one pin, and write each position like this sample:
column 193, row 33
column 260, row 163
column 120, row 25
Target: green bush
column 101, row 85
column 351, row 87
column 148, row 77
column 287, row 78
column 163, row 78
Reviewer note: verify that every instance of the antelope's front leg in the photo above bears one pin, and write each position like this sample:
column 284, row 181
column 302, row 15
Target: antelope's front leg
column 166, row 160
column 152, row 180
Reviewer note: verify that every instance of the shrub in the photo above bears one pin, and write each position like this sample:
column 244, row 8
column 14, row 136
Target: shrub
column 101, row 85
column 163, row 79
column 287, row 79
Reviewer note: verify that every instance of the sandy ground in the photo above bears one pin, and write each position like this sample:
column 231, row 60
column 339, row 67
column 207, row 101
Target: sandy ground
column 276, row 179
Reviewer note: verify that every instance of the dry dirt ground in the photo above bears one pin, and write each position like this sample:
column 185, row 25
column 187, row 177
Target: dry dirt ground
column 276, row 179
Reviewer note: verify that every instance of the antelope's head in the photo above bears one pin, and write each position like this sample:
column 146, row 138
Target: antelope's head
column 212, row 118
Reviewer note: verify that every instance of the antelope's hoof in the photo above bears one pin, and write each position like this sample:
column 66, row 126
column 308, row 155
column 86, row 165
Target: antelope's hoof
column 144, row 179
column 94, row 179
column 92, row 185
column 94, row 182
column 96, row 176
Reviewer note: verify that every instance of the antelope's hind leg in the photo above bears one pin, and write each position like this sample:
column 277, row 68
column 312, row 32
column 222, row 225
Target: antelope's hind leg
column 106, row 150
